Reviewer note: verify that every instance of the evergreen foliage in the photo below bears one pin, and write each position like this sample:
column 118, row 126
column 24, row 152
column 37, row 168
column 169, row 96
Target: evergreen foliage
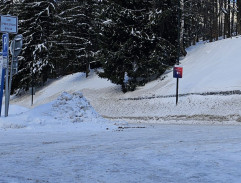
column 133, row 52
column 35, row 24
column 134, row 40
column 75, row 38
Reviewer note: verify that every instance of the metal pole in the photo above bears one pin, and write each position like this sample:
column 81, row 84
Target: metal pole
column 32, row 85
column 178, row 48
column 1, row 90
column 32, row 96
column 11, row 74
column 6, row 84
column 177, row 91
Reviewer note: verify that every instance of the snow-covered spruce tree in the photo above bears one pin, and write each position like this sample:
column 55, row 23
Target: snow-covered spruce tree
column 74, row 41
column 192, row 21
column 6, row 7
column 132, row 50
column 35, row 24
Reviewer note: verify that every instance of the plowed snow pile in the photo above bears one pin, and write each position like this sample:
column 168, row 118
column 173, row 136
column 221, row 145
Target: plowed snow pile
column 74, row 108
column 71, row 111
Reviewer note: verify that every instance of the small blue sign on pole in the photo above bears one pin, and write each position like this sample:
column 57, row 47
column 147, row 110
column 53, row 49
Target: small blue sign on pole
column 177, row 73
column 5, row 44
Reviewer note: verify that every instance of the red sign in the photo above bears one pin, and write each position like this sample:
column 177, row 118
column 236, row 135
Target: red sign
column 177, row 72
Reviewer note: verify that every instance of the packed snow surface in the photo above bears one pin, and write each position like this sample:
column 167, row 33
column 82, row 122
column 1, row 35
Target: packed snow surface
column 154, row 154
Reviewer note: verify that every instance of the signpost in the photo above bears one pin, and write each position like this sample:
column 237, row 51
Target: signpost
column 8, row 25
column 15, row 49
column 5, row 39
column 5, row 44
column 2, row 74
column 177, row 73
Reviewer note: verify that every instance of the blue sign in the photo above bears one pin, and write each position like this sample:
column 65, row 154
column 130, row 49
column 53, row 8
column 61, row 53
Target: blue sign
column 9, row 24
column 5, row 44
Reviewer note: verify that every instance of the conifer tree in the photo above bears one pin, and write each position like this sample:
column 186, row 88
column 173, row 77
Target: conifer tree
column 75, row 38
column 35, row 19
column 132, row 51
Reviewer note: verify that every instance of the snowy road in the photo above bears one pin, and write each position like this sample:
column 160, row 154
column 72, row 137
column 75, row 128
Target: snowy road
column 157, row 153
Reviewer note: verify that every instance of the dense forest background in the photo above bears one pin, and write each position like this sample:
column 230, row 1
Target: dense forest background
column 133, row 41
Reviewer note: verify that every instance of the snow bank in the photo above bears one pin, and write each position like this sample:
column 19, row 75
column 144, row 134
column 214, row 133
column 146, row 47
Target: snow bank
column 193, row 109
column 74, row 108
column 70, row 111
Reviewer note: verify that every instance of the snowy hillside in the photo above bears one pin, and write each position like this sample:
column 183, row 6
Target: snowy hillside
column 209, row 90
column 210, row 67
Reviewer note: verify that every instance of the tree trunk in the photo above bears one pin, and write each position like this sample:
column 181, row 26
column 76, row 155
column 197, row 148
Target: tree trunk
column 232, row 20
column 239, row 17
column 225, row 20
column 216, row 20
column 220, row 18
column 182, row 49
column 228, row 19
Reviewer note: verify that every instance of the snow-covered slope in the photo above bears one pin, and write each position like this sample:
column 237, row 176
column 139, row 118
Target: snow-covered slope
column 211, row 67
column 208, row 67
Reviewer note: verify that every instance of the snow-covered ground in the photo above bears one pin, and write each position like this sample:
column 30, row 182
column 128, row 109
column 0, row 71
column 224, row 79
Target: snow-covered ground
column 76, row 131
column 155, row 154
column 67, row 112
column 209, row 90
